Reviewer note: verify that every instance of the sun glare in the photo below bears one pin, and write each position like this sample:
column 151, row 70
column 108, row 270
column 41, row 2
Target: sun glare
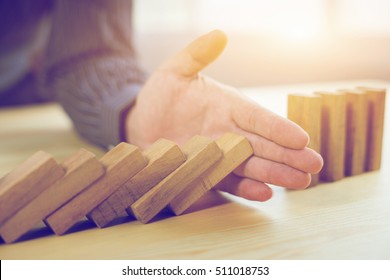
column 297, row 33
column 295, row 21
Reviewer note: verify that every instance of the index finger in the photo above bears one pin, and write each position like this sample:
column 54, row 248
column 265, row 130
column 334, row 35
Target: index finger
column 255, row 119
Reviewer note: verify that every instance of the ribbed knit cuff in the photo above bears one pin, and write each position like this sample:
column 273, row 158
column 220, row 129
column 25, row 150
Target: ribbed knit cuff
column 95, row 93
column 112, row 121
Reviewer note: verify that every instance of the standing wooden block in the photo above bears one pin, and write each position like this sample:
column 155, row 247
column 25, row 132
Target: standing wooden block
column 305, row 110
column 121, row 163
column 82, row 169
column 26, row 182
column 333, row 130
column 356, row 131
column 201, row 154
column 164, row 157
column 376, row 117
column 236, row 149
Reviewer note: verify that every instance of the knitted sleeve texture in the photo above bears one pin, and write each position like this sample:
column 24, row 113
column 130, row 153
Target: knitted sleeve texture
column 91, row 68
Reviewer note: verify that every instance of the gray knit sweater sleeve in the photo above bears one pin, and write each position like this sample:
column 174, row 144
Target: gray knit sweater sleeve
column 91, row 66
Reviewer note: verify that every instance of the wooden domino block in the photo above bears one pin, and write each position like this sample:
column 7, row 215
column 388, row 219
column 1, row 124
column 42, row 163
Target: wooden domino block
column 376, row 116
column 163, row 157
column 305, row 110
column 121, row 163
column 333, row 131
column 236, row 149
column 201, row 154
column 356, row 131
column 26, row 182
column 82, row 169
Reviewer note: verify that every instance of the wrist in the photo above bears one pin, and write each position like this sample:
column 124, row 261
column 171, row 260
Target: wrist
column 132, row 131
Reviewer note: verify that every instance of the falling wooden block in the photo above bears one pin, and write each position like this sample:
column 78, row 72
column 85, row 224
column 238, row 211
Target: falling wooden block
column 376, row 116
column 82, row 169
column 333, row 131
column 26, row 182
column 201, row 154
column 356, row 131
column 305, row 110
column 121, row 163
column 163, row 157
column 235, row 150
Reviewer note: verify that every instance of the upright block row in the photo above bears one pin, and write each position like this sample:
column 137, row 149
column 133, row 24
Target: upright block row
column 346, row 127
column 124, row 181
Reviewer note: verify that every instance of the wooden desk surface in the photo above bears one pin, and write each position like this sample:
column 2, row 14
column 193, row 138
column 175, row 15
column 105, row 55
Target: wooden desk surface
column 349, row 219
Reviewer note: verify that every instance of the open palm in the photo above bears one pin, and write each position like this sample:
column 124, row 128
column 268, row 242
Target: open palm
column 178, row 102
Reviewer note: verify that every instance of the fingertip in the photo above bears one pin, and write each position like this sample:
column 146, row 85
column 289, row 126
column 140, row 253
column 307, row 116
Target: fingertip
column 207, row 48
column 220, row 37
column 314, row 161
column 302, row 138
column 255, row 191
column 246, row 188
column 289, row 134
column 308, row 181
column 265, row 194
column 304, row 182
column 306, row 138
column 319, row 163
column 197, row 55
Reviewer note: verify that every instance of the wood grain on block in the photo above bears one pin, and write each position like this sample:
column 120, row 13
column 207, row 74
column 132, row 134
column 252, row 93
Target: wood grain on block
column 82, row 169
column 305, row 110
column 201, row 153
column 26, row 182
column 356, row 131
column 376, row 118
column 121, row 163
column 163, row 157
column 333, row 131
column 235, row 150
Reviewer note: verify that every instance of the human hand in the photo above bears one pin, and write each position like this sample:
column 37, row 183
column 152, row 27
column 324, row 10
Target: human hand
column 177, row 102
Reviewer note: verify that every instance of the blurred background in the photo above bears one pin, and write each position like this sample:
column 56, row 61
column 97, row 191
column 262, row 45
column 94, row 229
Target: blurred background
column 273, row 42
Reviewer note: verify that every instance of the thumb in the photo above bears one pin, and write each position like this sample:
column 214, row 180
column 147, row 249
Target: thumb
column 197, row 55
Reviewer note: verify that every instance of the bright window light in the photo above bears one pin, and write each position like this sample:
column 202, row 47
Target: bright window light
column 290, row 19
column 364, row 17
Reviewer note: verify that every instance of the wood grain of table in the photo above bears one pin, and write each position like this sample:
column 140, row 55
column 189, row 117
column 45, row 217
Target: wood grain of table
column 348, row 219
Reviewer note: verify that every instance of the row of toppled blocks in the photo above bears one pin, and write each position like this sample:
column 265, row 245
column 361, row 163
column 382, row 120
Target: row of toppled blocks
column 124, row 181
column 345, row 127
